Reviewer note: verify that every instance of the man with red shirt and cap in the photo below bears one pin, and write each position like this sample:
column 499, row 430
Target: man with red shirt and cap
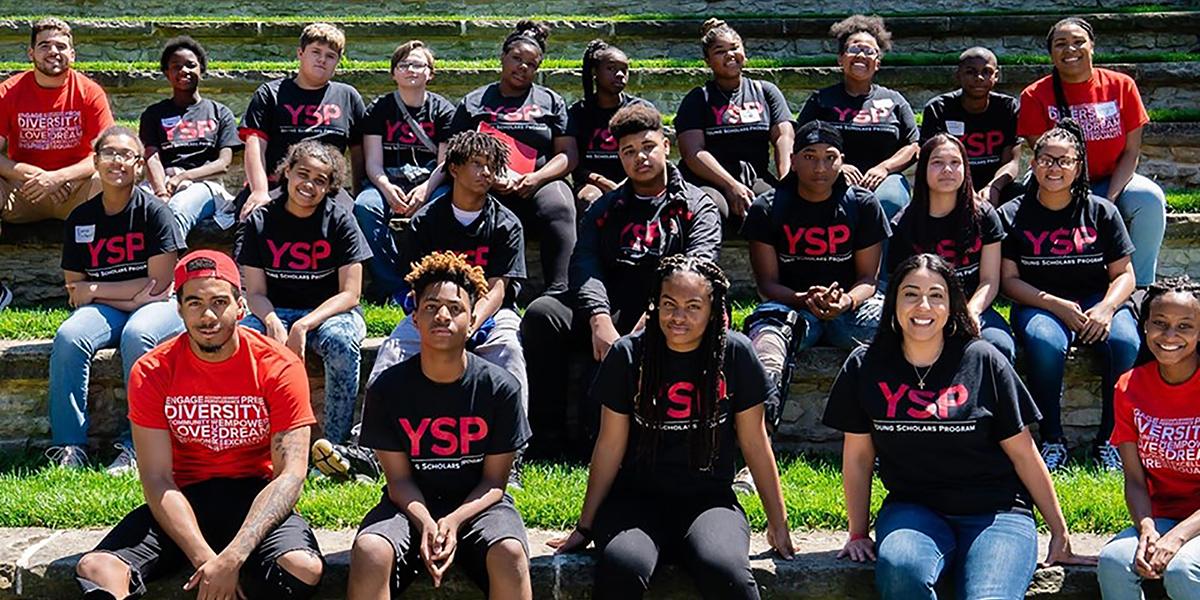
column 221, row 418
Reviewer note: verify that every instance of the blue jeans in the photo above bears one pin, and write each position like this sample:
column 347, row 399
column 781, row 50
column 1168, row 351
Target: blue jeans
column 1118, row 580
column 373, row 214
column 995, row 330
column 1144, row 208
column 338, row 342
column 992, row 556
column 90, row 328
column 893, row 195
column 1046, row 340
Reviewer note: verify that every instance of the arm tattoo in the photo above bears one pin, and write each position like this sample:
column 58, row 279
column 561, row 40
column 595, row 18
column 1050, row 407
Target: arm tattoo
column 276, row 501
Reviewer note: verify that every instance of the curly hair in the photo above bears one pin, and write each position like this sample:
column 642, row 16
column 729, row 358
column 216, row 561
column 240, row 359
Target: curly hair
column 634, row 118
column 529, row 31
column 322, row 153
column 873, row 25
column 447, row 267
column 183, row 42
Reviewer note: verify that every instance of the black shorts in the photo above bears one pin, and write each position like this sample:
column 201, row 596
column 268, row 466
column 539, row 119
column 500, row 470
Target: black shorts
column 220, row 505
column 496, row 523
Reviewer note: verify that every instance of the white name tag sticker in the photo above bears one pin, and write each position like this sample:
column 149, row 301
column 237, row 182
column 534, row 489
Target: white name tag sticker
column 85, row 234
column 1105, row 110
column 750, row 115
column 956, row 128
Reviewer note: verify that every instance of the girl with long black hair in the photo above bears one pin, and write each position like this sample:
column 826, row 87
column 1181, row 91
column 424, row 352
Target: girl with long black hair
column 605, row 73
column 946, row 218
column 948, row 419
column 1067, row 269
column 678, row 397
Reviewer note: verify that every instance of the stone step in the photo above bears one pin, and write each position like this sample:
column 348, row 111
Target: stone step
column 39, row 563
column 1167, row 85
column 138, row 38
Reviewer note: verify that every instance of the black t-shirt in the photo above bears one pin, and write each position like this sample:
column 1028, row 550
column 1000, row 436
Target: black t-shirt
column 1064, row 252
column 943, row 236
column 666, row 467
column 400, row 145
column 286, row 113
column 873, row 126
column 188, row 137
column 301, row 257
column 737, row 126
column 118, row 247
column 446, row 429
column 597, row 147
column 815, row 242
column 533, row 119
column 938, row 446
column 984, row 135
column 493, row 241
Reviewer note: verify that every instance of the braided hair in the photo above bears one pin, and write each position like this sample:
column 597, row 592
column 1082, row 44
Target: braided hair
column 527, row 31
column 966, row 213
column 1069, row 131
column 1060, row 97
column 593, row 56
column 647, row 401
column 1170, row 285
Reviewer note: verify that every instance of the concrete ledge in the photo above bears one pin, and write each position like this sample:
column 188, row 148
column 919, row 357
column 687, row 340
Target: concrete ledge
column 39, row 563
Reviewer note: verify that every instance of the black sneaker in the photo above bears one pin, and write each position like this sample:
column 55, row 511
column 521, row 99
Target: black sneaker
column 514, row 474
column 362, row 460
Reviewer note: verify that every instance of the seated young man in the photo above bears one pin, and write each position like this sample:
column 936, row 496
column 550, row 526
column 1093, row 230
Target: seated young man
column 623, row 236
column 446, row 425
column 471, row 222
column 986, row 123
column 815, row 248
column 221, row 420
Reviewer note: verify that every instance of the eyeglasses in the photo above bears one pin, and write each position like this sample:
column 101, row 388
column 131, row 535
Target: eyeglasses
column 118, row 156
column 1065, row 162
column 863, row 50
column 415, row 67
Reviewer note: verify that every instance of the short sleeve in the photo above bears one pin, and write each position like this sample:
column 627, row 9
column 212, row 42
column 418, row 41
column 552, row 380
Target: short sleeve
column 557, row 119
column 441, row 112
column 374, row 121
column 811, row 111
column 754, row 387
column 509, row 430
column 872, row 222
column 99, row 115
column 1133, row 112
column 6, row 107
column 1124, row 427
column 1010, row 248
column 613, row 386
column 511, row 260
column 931, row 120
column 148, row 128
column 690, row 115
column 287, row 394
column 757, row 226
column 380, row 429
column 908, row 121
column 462, row 120
column 259, row 118
column 1117, row 244
column 843, row 409
column 574, row 117
column 1011, row 114
column 353, row 242
column 1032, row 118
column 161, row 229
column 147, row 393
column 358, row 110
column 227, row 135
column 991, row 229
column 777, row 104
column 248, row 248
column 1013, row 408
column 72, row 257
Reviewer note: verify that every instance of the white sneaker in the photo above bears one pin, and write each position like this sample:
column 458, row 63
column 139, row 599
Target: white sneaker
column 743, row 482
column 1054, row 454
column 125, row 462
column 67, row 457
column 1109, row 458
column 6, row 296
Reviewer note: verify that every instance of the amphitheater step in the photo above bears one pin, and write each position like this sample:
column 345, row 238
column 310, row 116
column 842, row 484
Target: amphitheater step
column 135, row 38
column 41, row 563
column 1165, row 85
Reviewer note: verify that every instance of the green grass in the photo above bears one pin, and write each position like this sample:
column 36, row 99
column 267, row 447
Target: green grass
column 821, row 60
column 44, row 497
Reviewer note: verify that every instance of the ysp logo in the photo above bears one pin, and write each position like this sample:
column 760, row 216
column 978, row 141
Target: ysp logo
column 451, row 435
column 924, row 404
column 117, row 249
column 313, row 115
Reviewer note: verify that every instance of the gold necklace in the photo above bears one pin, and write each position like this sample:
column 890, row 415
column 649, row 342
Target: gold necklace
column 920, row 377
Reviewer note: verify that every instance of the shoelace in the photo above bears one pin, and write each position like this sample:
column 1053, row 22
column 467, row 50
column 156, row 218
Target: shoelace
column 60, row 454
column 1110, row 458
column 127, row 456
column 1054, row 455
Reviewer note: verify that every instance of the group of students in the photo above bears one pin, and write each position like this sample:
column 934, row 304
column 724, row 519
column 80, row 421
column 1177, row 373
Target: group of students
column 671, row 398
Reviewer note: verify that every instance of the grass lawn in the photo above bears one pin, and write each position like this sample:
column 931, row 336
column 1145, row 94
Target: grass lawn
column 1092, row 500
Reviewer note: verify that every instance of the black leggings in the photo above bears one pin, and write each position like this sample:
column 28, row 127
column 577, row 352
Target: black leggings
column 550, row 213
column 708, row 537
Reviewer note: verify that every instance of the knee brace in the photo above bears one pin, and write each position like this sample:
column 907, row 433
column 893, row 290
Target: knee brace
column 783, row 322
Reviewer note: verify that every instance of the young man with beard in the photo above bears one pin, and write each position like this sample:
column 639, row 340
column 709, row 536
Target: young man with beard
column 49, row 117
column 622, row 238
column 221, row 420
column 984, row 121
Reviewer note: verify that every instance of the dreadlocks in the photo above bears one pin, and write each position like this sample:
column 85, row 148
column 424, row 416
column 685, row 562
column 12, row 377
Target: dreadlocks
column 447, row 267
column 647, row 404
column 466, row 144
column 1069, row 131
column 1170, row 285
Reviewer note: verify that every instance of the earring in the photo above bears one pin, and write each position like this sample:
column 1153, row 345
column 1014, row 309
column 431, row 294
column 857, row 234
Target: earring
column 895, row 325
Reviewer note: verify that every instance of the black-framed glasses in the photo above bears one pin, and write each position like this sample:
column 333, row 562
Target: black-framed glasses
column 1066, row 162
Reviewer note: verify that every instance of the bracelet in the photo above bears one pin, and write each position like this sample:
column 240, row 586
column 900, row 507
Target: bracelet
column 854, row 537
column 586, row 532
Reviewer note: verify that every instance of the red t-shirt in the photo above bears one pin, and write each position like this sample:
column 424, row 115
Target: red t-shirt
column 1107, row 107
column 52, row 128
column 221, row 416
column 1164, row 421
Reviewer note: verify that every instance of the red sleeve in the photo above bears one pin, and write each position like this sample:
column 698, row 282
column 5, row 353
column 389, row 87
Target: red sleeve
column 1133, row 112
column 246, row 132
column 147, row 392
column 99, row 116
column 1124, row 429
column 6, row 106
column 1032, row 119
column 287, row 394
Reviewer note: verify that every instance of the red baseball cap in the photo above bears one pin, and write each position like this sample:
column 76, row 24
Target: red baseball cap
column 203, row 264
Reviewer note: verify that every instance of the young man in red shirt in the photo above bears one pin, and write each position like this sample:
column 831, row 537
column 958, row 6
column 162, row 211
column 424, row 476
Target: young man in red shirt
column 221, row 418
column 49, row 116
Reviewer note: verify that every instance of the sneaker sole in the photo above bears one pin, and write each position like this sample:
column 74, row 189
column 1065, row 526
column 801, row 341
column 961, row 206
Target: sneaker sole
column 327, row 461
